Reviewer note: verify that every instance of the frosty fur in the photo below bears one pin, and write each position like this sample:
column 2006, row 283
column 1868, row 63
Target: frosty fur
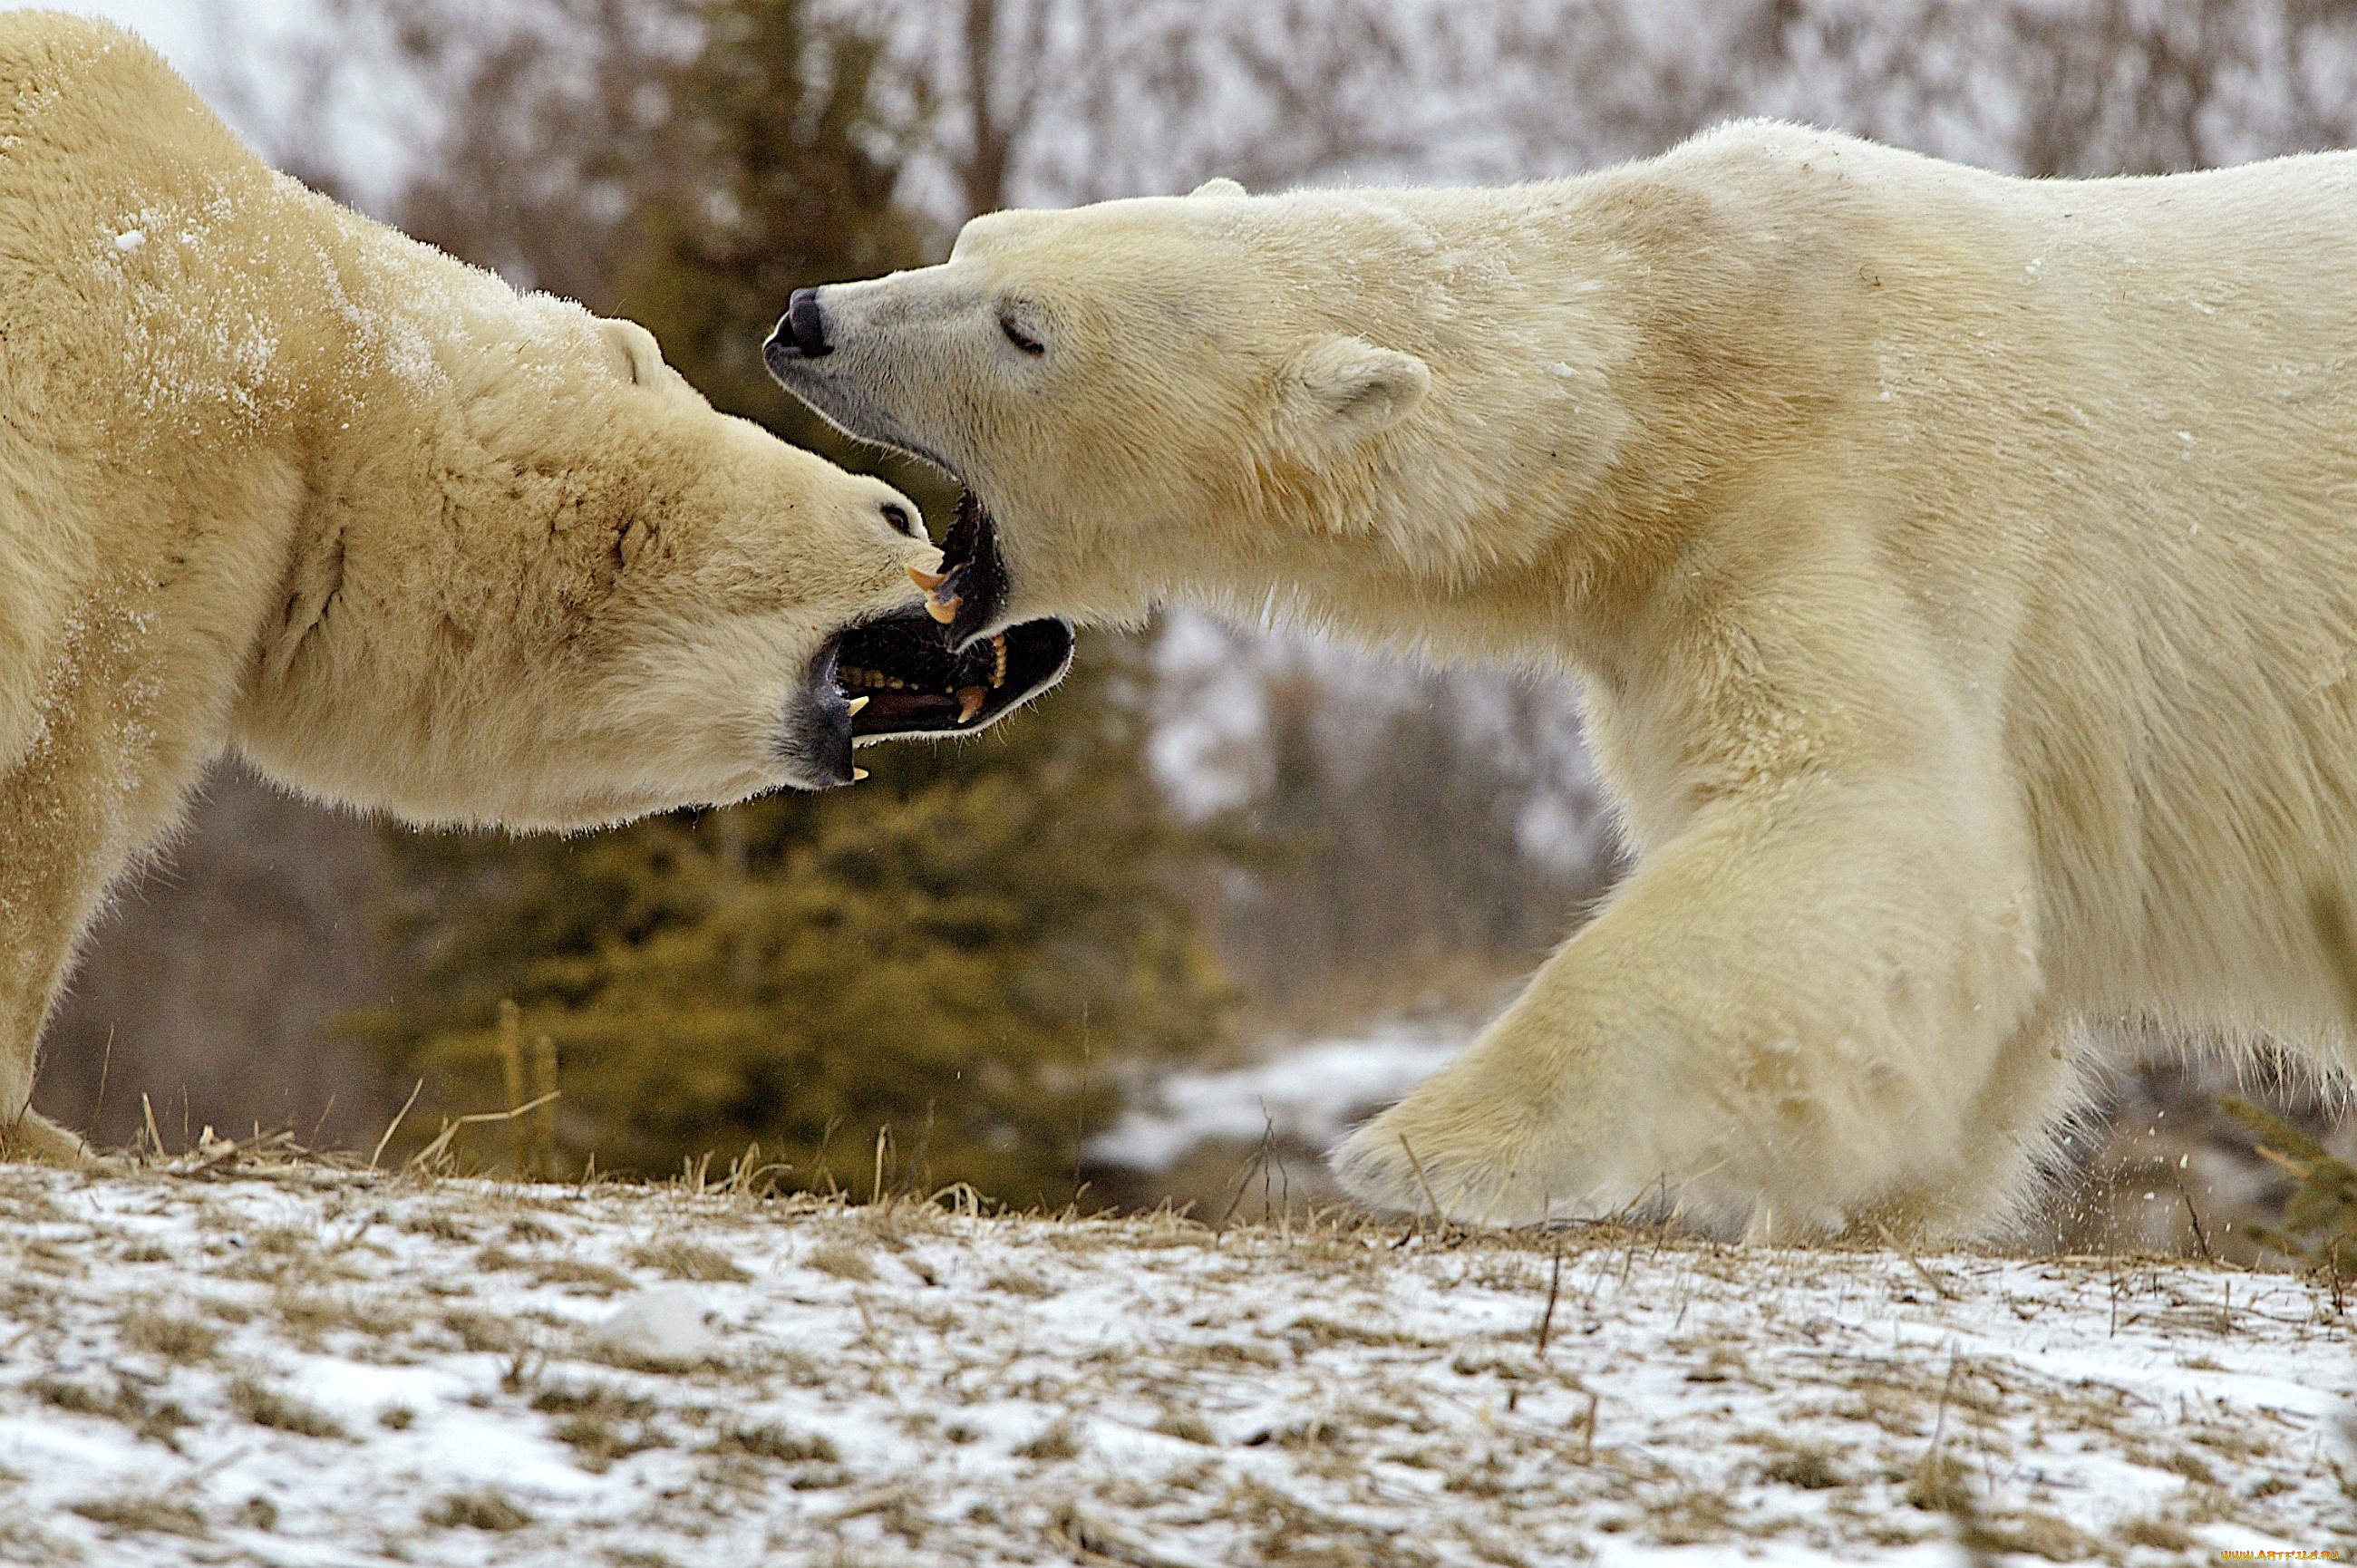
column 274, row 478
column 1961, row 573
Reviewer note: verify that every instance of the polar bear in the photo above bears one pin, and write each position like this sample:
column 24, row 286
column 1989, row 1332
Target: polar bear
column 1961, row 574
column 274, row 478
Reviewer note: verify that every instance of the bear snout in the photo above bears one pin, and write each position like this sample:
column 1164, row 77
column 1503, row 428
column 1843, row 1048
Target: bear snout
column 813, row 738
column 802, row 331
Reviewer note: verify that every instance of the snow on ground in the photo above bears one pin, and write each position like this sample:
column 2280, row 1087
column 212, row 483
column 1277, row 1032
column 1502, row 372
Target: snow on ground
column 1309, row 1094
column 300, row 1366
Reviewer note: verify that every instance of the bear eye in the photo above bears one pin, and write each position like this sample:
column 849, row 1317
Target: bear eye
column 1017, row 336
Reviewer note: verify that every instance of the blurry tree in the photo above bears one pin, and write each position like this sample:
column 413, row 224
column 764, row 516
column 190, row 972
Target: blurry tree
column 1400, row 853
column 776, row 172
column 553, row 117
column 961, row 950
column 2035, row 87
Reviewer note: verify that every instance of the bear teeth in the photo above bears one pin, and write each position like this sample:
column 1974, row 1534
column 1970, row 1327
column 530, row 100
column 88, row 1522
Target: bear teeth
column 945, row 592
column 970, row 702
column 999, row 660
column 857, row 704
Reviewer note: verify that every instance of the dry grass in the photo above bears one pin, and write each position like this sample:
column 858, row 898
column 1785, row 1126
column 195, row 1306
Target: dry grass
column 281, row 1411
column 585, row 1278
column 177, row 1340
column 601, row 1423
column 484, row 1508
column 1187, row 1428
column 1056, row 1443
column 481, row 1331
column 144, row 1513
column 843, row 1260
column 772, row 1442
column 151, row 1419
column 679, row 1259
column 1809, row 1468
column 1013, row 1282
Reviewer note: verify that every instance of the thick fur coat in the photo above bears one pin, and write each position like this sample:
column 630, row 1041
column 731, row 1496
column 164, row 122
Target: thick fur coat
column 274, row 478
column 1961, row 573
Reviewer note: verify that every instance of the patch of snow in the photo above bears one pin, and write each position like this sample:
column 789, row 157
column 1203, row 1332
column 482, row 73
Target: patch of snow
column 129, row 241
column 296, row 1365
column 1309, row 1094
column 664, row 1325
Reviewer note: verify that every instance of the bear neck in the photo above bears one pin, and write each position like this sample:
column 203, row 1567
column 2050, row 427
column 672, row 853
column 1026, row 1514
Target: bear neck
column 1614, row 362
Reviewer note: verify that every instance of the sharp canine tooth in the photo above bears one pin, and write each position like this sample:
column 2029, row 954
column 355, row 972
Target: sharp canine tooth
column 970, row 702
column 857, row 774
column 943, row 610
column 928, row 581
column 859, row 702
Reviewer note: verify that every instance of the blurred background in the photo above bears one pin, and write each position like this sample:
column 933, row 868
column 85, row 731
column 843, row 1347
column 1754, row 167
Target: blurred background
column 1168, row 933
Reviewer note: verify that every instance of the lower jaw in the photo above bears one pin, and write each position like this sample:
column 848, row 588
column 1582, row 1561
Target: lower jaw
column 968, row 595
column 902, row 676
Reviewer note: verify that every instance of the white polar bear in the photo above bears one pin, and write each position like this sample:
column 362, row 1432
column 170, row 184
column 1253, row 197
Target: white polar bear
column 1961, row 571
column 273, row 477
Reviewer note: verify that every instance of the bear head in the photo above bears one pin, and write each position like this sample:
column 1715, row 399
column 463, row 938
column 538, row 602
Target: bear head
column 540, row 582
column 1303, row 402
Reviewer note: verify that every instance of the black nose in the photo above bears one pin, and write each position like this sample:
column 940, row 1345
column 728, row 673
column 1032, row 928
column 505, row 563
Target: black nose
column 805, row 327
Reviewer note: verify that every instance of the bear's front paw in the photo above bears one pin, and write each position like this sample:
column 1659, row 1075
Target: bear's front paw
column 1476, row 1168
column 34, row 1139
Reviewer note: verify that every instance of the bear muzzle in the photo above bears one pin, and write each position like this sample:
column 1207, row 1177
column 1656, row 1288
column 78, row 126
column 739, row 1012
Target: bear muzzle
column 802, row 331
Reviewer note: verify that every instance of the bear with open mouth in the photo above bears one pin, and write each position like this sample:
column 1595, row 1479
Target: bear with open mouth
column 1959, row 573
column 274, row 478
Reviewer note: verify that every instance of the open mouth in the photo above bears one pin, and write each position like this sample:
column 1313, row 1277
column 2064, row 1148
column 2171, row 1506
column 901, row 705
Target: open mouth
column 925, row 672
column 967, row 593
column 930, row 670
column 903, row 675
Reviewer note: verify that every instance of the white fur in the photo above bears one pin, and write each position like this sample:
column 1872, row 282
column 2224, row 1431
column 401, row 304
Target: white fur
column 277, row 477
column 1961, row 573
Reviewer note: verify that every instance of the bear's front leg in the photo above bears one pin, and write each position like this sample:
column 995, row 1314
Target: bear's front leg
column 35, row 939
column 35, row 1139
column 61, row 838
column 1785, row 1017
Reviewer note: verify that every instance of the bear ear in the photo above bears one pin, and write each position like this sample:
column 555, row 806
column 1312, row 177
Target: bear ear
column 633, row 352
column 1221, row 185
column 1346, row 388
